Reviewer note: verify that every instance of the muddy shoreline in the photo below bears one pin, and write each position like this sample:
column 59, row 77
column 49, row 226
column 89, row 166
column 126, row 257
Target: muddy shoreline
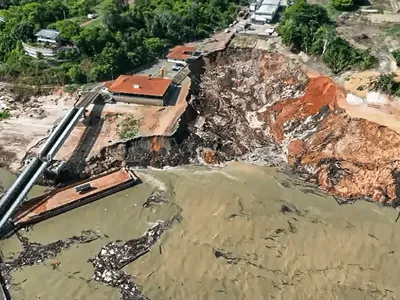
column 244, row 106
column 247, row 113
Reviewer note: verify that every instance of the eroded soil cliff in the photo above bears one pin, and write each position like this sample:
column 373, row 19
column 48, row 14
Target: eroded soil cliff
column 262, row 107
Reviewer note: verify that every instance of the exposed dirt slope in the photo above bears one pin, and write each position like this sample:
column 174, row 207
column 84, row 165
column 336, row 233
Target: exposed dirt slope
column 261, row 107
column 349, row 157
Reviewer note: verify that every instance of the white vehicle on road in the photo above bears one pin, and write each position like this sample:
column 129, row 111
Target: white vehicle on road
column 176, row 68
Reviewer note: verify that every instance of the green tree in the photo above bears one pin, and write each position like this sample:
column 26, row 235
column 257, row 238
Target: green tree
column 133, row 35
column 343, row 4
column 155, row 47
column 91, row 41
column 86, row 66
column 386, row 83
column 396, row 55
column 68, row 30
column 81, row 7
column 307, row 27
column 75, row 74
column 23, row 31
column 300, row 23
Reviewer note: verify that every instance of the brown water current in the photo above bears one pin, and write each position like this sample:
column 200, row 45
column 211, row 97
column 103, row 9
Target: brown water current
column 245, row 232
column 7, row 179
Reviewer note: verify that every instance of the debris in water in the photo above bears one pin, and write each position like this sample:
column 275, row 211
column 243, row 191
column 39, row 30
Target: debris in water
column 115, row 255
column 155, row 198
column 35, row 253
column 290, row 208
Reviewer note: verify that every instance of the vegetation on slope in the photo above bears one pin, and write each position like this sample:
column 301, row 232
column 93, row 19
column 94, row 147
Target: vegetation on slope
column 387, row 84
column 307, row 27
column 4, row 115
column 396, row 55
column 128, row 128
column 343, row 4
column 128, row 37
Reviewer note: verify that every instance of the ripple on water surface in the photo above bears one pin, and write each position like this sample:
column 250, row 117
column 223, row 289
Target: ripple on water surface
column 244, row 232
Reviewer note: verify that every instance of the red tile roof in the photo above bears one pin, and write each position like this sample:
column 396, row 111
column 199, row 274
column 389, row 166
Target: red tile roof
column 107, row 84
column 140, row 85
column 181, row 52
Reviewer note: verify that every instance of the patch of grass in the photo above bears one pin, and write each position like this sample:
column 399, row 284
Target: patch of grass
column 23, row 93
column 111, row 115
column 4, row 115
column 387, row 84
column 394, row 30
column 332, row 12
column 95, row 23
column 72, row 88
column 128, row 128
column 88, row 86
column 396, row 55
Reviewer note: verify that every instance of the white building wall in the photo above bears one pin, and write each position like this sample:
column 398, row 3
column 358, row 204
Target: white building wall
column 32, row 51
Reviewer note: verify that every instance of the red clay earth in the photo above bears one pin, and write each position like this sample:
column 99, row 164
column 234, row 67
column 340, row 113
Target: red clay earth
column 350, row 157
column 320, row 91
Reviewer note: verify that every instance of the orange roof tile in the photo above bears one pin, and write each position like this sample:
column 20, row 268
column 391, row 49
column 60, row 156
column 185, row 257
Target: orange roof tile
column 181, row 52
column 107, row 84
column 140, row 85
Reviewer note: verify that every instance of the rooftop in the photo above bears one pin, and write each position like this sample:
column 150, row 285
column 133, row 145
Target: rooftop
column 108, row 84
column 267, row 9
column 271, row 2
column 261, row 18
column 140, row 85
column 48, row 34
column 181, row 52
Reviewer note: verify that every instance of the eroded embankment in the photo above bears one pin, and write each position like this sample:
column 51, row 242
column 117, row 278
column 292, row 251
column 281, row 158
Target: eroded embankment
column 261, row 107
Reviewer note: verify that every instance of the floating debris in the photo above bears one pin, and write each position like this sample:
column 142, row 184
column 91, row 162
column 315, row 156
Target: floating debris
column 290, row 208
column 34, row 253
column 155, row 198
column 115, row 255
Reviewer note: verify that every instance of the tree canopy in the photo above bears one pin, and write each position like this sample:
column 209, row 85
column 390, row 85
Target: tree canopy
column 307, row 27
column 343, row 4
column 124, row 38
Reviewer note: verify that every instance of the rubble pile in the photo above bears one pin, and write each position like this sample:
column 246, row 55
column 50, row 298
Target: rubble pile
column 24, row 101
column 260, row 107
column 35, row 253
column 235, row 87
column 114, row 256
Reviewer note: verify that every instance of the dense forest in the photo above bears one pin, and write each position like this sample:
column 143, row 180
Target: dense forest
column 126, row 35
column 307, row 27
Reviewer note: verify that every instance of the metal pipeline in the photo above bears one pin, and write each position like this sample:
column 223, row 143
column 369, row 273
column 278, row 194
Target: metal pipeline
column 50, row 155
column 56, row 132
column 22, row 195
column 22, row 178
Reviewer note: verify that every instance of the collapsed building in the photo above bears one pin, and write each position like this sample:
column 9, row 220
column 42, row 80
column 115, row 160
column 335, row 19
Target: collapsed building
column 181, row 54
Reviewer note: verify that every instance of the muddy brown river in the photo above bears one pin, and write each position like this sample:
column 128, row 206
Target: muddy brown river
column 245, row 232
